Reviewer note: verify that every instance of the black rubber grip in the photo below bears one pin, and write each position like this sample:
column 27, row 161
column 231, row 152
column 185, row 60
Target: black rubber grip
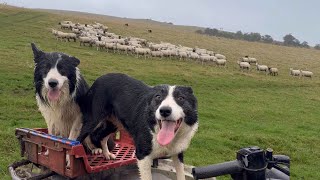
column 230, row 167
column 282, row 158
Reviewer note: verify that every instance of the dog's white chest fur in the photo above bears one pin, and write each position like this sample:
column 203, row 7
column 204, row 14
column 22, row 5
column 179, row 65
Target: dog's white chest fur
column 60, row 117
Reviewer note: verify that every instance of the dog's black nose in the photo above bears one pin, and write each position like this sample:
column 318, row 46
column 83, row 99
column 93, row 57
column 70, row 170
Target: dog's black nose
column 53, row 83
column 165, row 111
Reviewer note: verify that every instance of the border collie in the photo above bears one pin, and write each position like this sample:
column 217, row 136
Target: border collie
column 161, row 119
column 59, row 88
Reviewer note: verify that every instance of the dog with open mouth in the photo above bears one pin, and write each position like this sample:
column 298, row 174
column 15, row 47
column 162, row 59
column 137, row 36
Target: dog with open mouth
column 161, row 119
column 59, row 87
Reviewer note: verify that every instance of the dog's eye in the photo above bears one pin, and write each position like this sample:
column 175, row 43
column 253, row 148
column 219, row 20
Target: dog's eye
column 180, row 98
column 158, row 97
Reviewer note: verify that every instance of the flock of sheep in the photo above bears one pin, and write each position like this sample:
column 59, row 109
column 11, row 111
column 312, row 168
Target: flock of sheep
column 98, row 35
column 245, row 64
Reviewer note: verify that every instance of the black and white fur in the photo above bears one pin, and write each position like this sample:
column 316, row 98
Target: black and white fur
column 141, row 110
column 58, row 72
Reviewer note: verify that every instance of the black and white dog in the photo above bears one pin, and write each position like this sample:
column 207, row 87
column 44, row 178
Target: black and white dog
column 59, row 89
column 161, row 119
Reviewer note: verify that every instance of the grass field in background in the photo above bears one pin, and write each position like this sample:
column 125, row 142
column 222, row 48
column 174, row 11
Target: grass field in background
column 236, row 109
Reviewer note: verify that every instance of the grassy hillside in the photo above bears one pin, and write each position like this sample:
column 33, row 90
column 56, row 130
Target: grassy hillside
column 235, row 109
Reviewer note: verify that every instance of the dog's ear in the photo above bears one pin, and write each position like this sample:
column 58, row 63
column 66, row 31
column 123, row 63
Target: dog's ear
column 37, row 53
column 187, row 89
column 74, row 61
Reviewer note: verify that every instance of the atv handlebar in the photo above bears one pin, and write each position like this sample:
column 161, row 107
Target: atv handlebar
column 220, row 169
column 252, row 163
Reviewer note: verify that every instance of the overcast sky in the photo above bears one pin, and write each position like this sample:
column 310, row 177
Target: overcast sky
column 274, row 17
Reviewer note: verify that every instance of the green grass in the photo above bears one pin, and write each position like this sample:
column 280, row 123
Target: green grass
column 235, row 109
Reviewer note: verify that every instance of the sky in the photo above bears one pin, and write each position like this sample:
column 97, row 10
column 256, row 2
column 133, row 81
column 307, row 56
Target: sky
column 274, row 17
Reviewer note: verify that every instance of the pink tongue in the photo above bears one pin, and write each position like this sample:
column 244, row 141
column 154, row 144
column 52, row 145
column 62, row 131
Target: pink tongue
column 166, row 133
column 53, row 95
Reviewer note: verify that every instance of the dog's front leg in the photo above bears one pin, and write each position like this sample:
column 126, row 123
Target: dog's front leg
column 144, row 166
column 105, row 149
column 74, row 133
column 75, row 129
column 179, row 166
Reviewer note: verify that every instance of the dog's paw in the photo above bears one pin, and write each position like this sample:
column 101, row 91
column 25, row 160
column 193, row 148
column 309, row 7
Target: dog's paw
column 68, row 160
column 96, row 151
column 109, row 155
column 47, row 152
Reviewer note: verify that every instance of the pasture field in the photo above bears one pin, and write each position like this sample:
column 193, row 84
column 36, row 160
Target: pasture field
column 236, row 109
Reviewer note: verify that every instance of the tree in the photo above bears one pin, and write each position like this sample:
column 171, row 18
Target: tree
column 267, row 38
column 290, row 40
column 238, row 35
column 317, row 46
column 255, row 36
column 199, row 31
column 305, row 44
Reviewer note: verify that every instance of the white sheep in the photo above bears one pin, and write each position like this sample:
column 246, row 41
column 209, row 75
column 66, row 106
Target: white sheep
column 294, row 72
column 100, row 45
column 142, row 51
column 84, row 40
column 306, row 73
column 194, row 55
column 156, row 54
column 262, row 68
column 273, row 71
column 183, row 55
column 213, row 58
column 252, row 60
column 205, row 58
column 221, row 62
column 244, row 65
column 220, row 56
column 65, row 26
column 244, row 59
column 121, row 47
column 110, row 46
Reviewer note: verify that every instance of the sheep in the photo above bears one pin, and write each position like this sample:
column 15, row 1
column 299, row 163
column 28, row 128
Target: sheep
column 169, row 52
column 149, row 30
column 200, row 51
column 294, row 72
column 194, row 55
column 84, row 40
column 55, row 33
column 213, row 58
column 262, row 68
column 130, row 48
column 156, row 54
column 75, row 30
column 71, row 36
column 252, row 60
column 100, row 44
column 126, row 24
column 62, row 35
column 244, row 59
column 244, row 65
column 121, row 47
column 205, row 59
column 183, row 55
column 110, row 46
column 221, row 62
column 306, row 73
column 142, row 51
column 65, row 26
column 220, row 56
column 155, row 47
column 273, row 71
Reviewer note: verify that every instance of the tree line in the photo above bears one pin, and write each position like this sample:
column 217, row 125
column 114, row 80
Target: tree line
column 288, row 40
